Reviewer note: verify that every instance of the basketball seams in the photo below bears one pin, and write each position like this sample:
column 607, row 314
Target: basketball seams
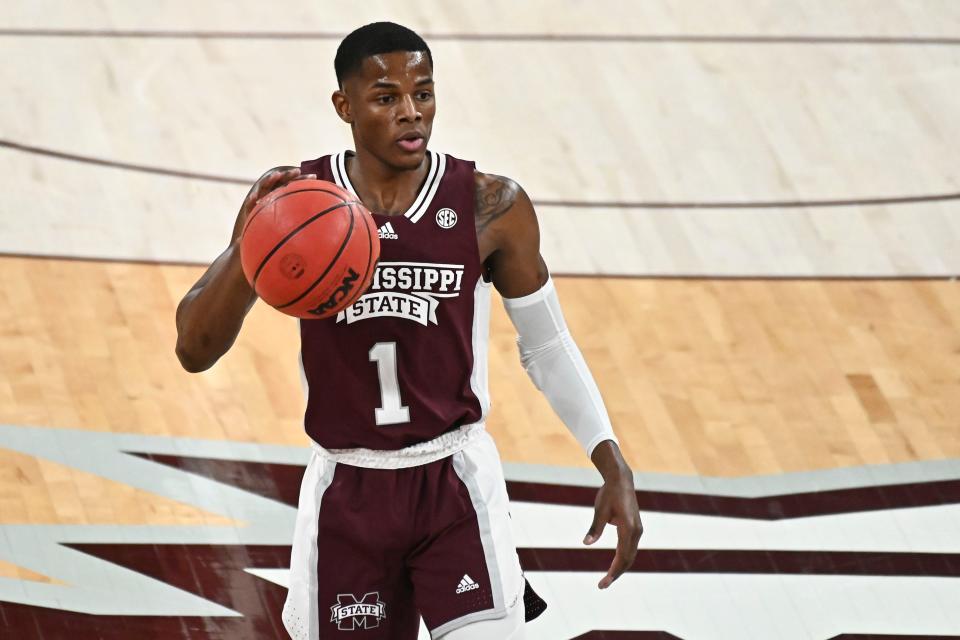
column 343, row 246
column 268, row 200
column 291, row 234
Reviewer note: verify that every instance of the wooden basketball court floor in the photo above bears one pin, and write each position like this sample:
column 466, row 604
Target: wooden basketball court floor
column 752, row 218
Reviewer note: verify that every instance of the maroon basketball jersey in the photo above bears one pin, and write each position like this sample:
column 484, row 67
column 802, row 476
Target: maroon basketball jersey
column 406, row 362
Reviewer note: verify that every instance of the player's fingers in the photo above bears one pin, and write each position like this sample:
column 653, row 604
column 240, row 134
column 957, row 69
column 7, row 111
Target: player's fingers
column 280, row 178
column 637, row 532
column 623, row 558
column 270, row 181
column 269, row 178
column 274, row 180
column 282, row 175
column 596, row 527
column 251, row 200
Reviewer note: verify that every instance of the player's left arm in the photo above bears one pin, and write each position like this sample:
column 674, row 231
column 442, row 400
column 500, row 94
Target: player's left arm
column 509, row 239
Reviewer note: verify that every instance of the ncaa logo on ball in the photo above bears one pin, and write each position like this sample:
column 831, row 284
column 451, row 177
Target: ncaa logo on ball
column 446, row 218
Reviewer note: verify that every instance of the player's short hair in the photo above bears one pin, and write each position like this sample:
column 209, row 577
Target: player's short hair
column 373, row 39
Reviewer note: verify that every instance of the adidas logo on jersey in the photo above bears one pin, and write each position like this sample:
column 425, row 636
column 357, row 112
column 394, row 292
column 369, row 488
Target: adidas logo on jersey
column 466, row 584
column 386, row 232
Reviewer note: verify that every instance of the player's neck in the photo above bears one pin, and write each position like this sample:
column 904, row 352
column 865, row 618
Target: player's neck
column 382, row 188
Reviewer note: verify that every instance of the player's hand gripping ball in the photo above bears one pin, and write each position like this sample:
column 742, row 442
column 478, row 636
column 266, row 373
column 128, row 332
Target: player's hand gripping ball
column 309, row 249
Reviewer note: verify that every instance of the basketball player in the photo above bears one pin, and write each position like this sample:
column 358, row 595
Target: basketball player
column 403, row 509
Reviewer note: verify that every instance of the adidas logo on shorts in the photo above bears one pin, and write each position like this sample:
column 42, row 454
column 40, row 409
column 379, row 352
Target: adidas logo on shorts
column 386, row 232
column 467, row 584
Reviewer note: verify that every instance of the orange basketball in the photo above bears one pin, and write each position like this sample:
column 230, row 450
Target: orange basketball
column 309, row 249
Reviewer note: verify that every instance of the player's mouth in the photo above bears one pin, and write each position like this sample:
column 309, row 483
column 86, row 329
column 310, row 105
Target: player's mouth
column 413, row 141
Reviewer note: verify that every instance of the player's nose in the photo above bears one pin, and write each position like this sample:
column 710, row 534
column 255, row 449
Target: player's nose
column 408, row 111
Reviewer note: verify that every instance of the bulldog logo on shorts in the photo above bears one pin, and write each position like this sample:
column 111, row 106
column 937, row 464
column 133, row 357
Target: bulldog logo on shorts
column 365, row 613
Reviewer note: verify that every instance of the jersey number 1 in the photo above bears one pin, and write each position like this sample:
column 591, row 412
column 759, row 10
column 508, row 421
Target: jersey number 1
column 391, row 410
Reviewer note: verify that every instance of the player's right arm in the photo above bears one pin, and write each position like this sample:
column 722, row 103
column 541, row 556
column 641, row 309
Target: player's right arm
column 210, row 316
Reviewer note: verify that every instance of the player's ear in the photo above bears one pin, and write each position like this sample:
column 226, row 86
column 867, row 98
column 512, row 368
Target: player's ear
column 342, row 104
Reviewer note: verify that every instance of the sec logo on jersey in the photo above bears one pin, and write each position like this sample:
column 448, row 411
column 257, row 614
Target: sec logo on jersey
column 446, row 218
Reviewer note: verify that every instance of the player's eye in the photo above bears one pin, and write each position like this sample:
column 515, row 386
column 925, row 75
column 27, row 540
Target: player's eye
column 384, row 99
column 424, row 95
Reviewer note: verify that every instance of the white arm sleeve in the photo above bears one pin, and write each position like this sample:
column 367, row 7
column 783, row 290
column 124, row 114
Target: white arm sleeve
column 556, row 366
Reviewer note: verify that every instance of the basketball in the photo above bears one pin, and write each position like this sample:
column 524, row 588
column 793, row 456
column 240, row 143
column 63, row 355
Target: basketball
column 309, row 249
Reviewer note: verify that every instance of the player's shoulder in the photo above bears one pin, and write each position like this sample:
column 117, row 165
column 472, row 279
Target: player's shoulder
column 493, row 180
column 495, row 192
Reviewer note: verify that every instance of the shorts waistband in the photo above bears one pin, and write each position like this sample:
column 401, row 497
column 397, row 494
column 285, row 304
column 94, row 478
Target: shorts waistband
column 415, row 455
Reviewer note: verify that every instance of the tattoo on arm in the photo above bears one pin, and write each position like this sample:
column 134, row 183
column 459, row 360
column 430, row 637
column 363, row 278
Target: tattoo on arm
column 494, row 198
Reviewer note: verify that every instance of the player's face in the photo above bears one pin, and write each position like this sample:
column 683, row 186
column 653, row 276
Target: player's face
column 390, row 105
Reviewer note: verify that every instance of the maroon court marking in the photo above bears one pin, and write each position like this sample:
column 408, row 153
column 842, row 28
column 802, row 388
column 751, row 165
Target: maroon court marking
column 212, row 572
column 663, row 635
column 627, row 635
column 282, row 482
column 884, row 636
column 216, row 572
column 795, row 505
column 750, row 561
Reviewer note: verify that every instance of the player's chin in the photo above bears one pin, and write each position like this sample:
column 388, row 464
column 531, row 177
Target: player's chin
column 408, row 160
